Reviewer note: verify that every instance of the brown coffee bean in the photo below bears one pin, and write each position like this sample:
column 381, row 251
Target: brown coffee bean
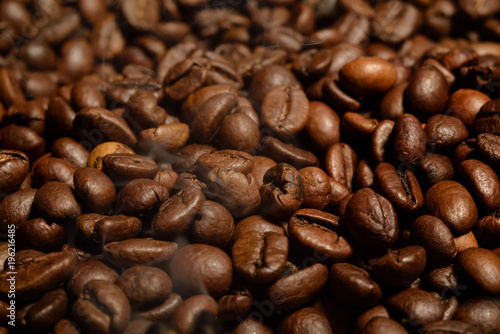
column 140, row 196
column 24, row 139
column 459, row 215
column 394, row 21
column 86, row 94
column 415, row 305
column 239, row 132
column 102, row 306
column 481, row 312
column 486, row 229
column 400, row 187
column 60, row 116
column 16, row 208
column 450, row 326
column 391, row 105
column 214, row 280
column 185, row 317
column 306, row 320
column 123, row 167
column 368, row 76
column 379, row 145
column 385, row 325
column 44, row 274
column 163, row 311
column 214, row 225
column 90, row 271
column 435, row 168
column 323, row 125
column 371, row 220
column 10, row 90
column 399, row 268
column 110, row 126
column 14, row 167
column 164, row 137
column 100, row 151
column 482, row 266
column 317, row 188
column 131, row 252
column 408, row 139
column 431, row 233
column 283, row 190
column 488, row 147
column 95, row 189
column 297, row 288
column 340, row 163
column 236, row 160
column 70, row 150
column 483, row 183
column 319, row 234
column 256, row 223
column 236, row 303
column 444, row 132
column 487, row 120
column 353, row 285
column 56, row 201
column 267, row 78
column 465, row 104
column 365, row 317
column 281, row 152
column 48, row 169
column 145, row 285
column 285, row 110
column 42, row 315
column 427, row 93
column 38, row 234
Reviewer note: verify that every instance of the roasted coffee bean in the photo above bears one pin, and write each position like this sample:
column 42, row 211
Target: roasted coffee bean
column 317, row 188
column 399, row 268
column 379, row 150
column 38, row 234
column 488, row 147
column 358, row 127
column 368, row 76
column 444, row 132
column 450, row 326
column 95, row 189
column 427, row 93
column 408, row 139
column 131, row 252
column 267, row 78
column 340, row 163
column 96, row 229
column 394, row 21
column 283, row 191
column 239, row 132
column 90, row 271
column 44, row 274
column 122, row 167
column 459, row 215
column 353, row 285
column 140, row 196
column 298, row 288
column 431, row 233
column 487, row 118
column 435, row 168
column 185, row 318
column 238, row 161
column 482, row 266
column 318, row 234
column 260, row 257
column 261, row 165
column 483, row 183
column 70, row 150
column 371, row 220
column 481, row 312
column 256, row 223
column 56, row 201
column 465, row 104
column 486, row 229
column 214, row 225
column 400, row 187
column 100, row 151
column 24, row 139
column 145, row 285
column 102, row 306
column 109, row 126
column 48, row 169
column 42, row 315
column 30, row 114
column 281, row 152
column 214, row 280
column 16, row 208
column 391, row 105
column 417, row 306
column 14, row 167
column 177, row 213
column 385, row 325
column 285, row 110
column 237, row 302
column 323, row 125
column 169, row 137
column 306, row 320
column 163, row 311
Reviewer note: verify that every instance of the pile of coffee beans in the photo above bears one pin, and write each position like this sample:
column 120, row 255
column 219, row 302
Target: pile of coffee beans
column 254, row 166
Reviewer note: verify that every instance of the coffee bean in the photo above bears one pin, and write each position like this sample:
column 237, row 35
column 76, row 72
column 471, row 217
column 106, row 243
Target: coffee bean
column 140, row 196
column 38, row 234
column 431, row 233
column 44, row 313
column 130, row 252
column 90, row 271
column 371, row 220
column 214, row 225
column 14, row 167
column 95, row 189
column 408, row 140
column 281, row 152
column 56, row 201
column 186, row 316
column 438, row 204
column 70, row 150
column 340, row 163
column 305, row 320
column 236, row 303
column 124, row 167
column 444, row 132
column 483, row 182
column 481, row 312
column 16, row 208
column 481, row 265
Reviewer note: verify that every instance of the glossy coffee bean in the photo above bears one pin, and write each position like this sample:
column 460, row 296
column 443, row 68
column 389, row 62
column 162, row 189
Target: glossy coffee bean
column 465, row 104
column 487, row 118
column 431, row 233
column 418, row 306
column 482, row 266
column 483, row 183
column 445, row 132
column 435, row 168
column 102, row 306
column 95, row 189
column 140, row 196
column 214, row 225
column 459, row 215
column 305, row 320
column 90, row 271
column 56, row 201
column 319, row 234
column 408, row 139
column 48, row 169
column 353, row 285
column 323, row 125
column 371, row 220
column 196, row 278
column 145, row 285
column 70, row 150
column 385, row 325
column 401, row 267
column 123, row 167
column 260, row 257
column 44, row 313
column 488, row 147
column 16, row 208
column 451, row 326
column 38, row 234
column 317, row 187
column 400, row 187
column 283, row 190
column 236, row 303
column 368, row 76
column 14, row 166
column 340, row 163
column 186, row 315
column 100, row 151
column 481, row 312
